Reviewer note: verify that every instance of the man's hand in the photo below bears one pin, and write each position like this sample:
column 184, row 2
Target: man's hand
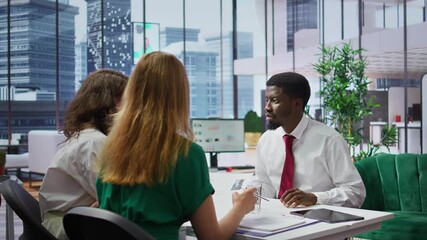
column 295, row 197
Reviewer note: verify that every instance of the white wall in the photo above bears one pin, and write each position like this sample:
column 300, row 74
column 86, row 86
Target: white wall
column 396, row 101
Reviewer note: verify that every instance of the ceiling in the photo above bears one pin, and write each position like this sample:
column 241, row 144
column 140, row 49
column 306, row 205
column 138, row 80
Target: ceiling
column 384, row 52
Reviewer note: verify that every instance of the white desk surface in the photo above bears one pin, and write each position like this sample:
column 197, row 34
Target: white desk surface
column 379, row 123
column 415, row 124
column 222, row 183
column 237, row 158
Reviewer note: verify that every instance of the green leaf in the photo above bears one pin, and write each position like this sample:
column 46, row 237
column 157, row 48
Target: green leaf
column 344, row 92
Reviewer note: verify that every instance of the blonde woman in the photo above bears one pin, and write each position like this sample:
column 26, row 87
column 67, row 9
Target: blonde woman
column 151, row 171
column 70, row 179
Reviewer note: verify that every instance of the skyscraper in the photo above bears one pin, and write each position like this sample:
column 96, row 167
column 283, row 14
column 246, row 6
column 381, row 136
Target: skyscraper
column 115, row 51
column 305, row 18
column 200, row 63
column 170, row 35
column 33, row 49
column 211, row 96
column 245, row 83
column 81, row 63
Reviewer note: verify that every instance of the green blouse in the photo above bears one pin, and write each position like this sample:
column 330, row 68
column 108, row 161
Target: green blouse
column 163, row 208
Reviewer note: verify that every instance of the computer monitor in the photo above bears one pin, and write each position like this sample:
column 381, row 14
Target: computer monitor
column 219, row 135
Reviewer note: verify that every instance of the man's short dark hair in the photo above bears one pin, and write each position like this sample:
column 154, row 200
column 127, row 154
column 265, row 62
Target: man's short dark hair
column 293, row 84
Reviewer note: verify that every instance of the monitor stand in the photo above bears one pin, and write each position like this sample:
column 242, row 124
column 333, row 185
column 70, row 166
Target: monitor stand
column 214, row 161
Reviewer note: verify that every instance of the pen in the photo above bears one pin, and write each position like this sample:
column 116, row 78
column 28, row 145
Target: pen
column 259, row 196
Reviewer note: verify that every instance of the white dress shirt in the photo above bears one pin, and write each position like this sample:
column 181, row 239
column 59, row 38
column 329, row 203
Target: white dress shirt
column 323, row 165
column 70, row 179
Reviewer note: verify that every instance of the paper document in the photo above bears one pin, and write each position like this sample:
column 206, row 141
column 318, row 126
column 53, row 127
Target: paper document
column 259, row 233
column 263, row 222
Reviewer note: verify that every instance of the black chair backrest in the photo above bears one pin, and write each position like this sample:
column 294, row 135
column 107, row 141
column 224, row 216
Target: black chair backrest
column 87, row 223
column 27, row 208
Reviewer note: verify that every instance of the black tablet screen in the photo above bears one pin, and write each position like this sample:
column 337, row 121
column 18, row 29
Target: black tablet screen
column 327, row 215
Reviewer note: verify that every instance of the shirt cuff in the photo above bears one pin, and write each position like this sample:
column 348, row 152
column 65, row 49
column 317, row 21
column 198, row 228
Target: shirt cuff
column 322, row 198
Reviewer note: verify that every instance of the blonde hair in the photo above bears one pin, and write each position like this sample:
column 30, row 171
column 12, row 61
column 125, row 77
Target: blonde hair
column 152, row 127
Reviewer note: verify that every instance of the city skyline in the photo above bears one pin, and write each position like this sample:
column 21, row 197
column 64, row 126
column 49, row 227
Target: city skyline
column 395, row 57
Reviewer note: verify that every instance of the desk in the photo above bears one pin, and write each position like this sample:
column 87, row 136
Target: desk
column 414, row 136
column 10, row 231
column 222, row 199
column 248, row 157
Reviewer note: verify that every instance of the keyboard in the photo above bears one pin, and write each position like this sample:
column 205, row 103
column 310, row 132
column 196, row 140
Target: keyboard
column 237, row 167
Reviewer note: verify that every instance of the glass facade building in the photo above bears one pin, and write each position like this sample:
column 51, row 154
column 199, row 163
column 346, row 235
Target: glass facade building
column 109, row 35
column 229, row 48
column 33, row 46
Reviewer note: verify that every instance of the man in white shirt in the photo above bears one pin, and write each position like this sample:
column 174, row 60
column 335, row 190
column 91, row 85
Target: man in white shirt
column 323, row 171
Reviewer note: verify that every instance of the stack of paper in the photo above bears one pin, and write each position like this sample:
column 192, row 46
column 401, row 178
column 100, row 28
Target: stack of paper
column 264, row 225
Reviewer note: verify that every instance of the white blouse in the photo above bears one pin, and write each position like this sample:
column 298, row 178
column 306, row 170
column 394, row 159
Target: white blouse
column 70, row 179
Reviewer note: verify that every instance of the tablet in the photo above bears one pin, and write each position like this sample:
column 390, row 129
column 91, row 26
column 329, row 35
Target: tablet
column 327, row 215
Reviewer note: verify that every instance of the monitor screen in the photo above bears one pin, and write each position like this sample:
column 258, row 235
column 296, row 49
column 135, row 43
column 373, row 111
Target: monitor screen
column 219, row 135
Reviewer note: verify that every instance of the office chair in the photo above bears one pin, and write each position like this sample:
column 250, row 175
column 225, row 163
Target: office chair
column 27, row 208
column 87, row 223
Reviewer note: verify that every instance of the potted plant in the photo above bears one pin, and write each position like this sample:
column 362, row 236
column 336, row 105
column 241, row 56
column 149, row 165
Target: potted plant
column 2, row 162
column 344, row 91
column 253, row 128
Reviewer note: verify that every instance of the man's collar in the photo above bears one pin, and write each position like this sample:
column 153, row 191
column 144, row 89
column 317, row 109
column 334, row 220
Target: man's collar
column 299, row 129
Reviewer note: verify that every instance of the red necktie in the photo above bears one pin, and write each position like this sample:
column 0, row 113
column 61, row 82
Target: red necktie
column 287, row 181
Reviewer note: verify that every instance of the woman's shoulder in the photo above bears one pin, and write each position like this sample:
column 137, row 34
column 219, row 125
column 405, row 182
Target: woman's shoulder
column 195, row 153
column 92, row 134
column 88, row 141
column 192, row 162
column 196, row 148
column 91, row 137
